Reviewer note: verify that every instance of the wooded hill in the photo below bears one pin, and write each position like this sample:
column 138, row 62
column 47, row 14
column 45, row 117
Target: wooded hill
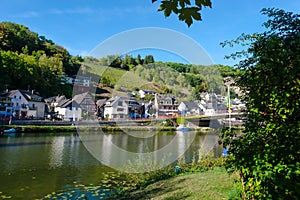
column 129, row 73
column 31, row 61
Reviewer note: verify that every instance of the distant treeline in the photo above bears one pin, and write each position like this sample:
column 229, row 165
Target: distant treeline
column 31, row 61
column 125, row 62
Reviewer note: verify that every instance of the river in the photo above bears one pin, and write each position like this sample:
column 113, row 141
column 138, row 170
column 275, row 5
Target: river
column 34, row 166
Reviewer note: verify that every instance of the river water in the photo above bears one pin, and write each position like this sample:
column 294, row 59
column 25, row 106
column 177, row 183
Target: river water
column 34, row 166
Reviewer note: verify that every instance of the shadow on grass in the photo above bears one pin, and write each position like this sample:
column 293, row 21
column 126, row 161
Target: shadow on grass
column 159, row 189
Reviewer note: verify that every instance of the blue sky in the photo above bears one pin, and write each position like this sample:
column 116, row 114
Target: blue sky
column 81, row 25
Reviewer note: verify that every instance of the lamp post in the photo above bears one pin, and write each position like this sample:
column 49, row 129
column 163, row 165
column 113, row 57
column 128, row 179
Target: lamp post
column 227, row 82
column 229, row 110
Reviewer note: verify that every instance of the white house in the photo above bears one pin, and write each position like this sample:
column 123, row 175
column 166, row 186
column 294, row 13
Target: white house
column 69, row 110
column 189, row 108
column 27, row 104
column 122, row 108
column 166, row 105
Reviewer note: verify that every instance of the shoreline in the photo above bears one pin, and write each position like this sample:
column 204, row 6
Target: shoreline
column 40, row 126
column 73, row 128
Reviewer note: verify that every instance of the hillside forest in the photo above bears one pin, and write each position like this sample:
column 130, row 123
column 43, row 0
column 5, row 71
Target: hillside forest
column 30, row 61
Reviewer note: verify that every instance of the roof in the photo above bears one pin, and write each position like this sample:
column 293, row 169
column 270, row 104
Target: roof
column 29, row 95
column 113, row 100
column 101, row 102
column 80, row 97
column 163, row 97
column 4, row 94
column 60, row 98
column 55, row 99
column 50, row 99
column 191, row 104
column 67, row 103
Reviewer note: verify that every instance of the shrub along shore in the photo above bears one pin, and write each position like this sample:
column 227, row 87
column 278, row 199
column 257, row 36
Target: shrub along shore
column 73, row 129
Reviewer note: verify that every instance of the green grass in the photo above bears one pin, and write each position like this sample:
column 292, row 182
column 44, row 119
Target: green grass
column 212, row 184
column 132, row 80
column 123, row 78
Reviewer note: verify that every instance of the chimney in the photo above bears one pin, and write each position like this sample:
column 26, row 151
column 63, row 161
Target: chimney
column 32, row 91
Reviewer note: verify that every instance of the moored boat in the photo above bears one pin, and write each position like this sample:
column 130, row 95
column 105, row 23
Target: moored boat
column 10, row 132
column 182, row 127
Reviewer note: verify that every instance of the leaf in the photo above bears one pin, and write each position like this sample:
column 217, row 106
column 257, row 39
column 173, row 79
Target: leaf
column 184, row 2
column 187, row 15
column 201, row 3
column 168, row 7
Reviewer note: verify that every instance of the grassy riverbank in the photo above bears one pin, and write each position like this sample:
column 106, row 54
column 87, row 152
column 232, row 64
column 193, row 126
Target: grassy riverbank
column 212, row 184
column 204, row 179
column 42, row 129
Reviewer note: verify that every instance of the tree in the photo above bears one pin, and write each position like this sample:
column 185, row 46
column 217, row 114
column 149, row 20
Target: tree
column 148, row 59
column 139, row 60
column 50, row 70
column 185, row 10
column 14, row 37
column 267, row 154
column 105, row 80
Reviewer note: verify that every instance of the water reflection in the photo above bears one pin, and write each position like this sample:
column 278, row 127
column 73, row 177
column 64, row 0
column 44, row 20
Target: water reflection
column 119, row 150
column 32, row 167
column 56, row 154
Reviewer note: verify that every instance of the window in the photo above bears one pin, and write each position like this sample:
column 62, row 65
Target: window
column 120, row 103
column 120, row 109
column 20, row 97
column 15, row 97
column 33, row 106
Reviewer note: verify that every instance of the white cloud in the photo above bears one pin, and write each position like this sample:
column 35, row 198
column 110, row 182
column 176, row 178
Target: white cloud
column 27, row 14
column 80, row 11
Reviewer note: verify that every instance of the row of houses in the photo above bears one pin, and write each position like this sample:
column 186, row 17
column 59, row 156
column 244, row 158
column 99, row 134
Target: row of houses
column 29, row 104
column 162, row 106
column 24, row 104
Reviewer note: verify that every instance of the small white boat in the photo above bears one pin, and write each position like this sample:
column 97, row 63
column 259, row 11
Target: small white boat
column 182, row 127
column 10, row 132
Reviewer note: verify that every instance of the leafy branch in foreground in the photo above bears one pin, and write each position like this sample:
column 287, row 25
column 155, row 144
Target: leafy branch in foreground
column 185, row 10
column 267, row 154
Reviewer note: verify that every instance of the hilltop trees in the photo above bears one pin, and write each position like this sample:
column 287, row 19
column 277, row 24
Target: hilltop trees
column 267, row 155
column 28, row 60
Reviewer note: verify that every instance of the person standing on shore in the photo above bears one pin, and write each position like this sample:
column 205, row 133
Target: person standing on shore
column 10, row 119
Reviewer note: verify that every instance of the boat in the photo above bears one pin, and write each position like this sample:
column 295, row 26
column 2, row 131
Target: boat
column 182, row 127
column 10, row 132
